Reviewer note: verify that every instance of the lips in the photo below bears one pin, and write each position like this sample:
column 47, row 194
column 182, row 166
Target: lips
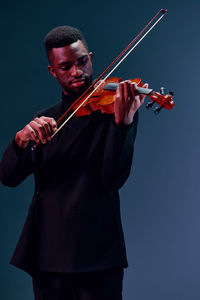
column 78, row 82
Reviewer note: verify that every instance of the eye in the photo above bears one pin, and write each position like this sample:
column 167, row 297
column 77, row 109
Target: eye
column 65, row 68
column 82, row 61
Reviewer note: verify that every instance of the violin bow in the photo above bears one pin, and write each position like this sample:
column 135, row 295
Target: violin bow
column 116, row 62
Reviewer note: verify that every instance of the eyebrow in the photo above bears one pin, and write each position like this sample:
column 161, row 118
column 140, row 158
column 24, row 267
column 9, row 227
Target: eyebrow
column 64, row 63
column 68, row 63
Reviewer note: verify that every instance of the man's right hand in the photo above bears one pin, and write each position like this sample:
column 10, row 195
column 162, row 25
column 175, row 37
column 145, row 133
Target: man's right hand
column 38, row 130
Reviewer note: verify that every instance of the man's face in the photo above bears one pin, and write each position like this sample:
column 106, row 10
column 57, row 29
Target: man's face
column 72, row 66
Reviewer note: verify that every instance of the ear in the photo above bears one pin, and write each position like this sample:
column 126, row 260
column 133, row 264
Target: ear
column 91, row 56
column 52, row 71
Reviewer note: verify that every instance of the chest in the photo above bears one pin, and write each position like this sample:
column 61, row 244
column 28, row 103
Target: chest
column 80, row 141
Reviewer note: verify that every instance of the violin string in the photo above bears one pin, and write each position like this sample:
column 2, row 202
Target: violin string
column 122, row 59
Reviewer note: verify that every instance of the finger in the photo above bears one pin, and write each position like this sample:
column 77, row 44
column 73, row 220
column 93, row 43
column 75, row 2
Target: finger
column 146, row 85
column 45, row 128
column 136, row 99
column 33, row 135
column 40, row 131
column 120, row 92
column 127, row 90
column 121, row 96
column 51, row 122
column 133, row 89
column 30, row 134
column 119, row 103
column 142, row 97
column 98, row 83
column 128, row 95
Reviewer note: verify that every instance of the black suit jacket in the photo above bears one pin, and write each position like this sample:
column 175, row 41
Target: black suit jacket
column 74, row 222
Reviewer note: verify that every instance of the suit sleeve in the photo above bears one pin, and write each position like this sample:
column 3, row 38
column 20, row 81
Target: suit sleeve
column 16, row 165
column 118, row 154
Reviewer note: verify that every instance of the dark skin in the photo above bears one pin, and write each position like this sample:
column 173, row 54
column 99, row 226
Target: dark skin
column 72, row 66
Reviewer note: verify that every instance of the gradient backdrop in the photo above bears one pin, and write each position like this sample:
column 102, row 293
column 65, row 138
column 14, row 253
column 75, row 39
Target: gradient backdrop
column 160, row 201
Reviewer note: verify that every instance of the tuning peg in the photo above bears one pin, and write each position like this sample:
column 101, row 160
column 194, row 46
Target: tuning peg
column 162, row 90
column 150, row 104
column 157, row 109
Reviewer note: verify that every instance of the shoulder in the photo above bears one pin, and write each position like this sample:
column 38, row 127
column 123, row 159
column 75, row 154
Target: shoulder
column 53, row 111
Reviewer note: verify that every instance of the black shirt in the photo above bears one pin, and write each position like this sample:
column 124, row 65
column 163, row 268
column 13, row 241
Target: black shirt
column 74, row 222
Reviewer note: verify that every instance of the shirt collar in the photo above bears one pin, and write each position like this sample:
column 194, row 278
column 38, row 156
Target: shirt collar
column 67, row 101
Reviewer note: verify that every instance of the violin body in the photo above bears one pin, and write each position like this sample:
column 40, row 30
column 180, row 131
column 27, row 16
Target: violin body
column 102, row 99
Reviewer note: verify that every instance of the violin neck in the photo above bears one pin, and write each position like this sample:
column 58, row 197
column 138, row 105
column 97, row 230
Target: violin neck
column 112, row 86
column 145, row 91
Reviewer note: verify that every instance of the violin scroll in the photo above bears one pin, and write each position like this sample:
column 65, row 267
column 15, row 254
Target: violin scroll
column 165, row 100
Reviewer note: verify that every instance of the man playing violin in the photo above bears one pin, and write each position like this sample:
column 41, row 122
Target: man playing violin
column 72, row 242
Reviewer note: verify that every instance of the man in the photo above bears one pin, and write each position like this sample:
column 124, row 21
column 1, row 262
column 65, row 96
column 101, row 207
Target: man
column 72, row 242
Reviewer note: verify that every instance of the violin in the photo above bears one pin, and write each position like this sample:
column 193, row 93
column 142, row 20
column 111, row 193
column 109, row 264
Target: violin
column 104, row 96
column 101, row 94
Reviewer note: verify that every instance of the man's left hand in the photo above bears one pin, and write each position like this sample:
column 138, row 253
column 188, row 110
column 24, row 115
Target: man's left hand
column 127, row 102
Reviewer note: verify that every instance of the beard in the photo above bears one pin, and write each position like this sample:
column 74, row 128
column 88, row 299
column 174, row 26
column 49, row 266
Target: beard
column 76, row 92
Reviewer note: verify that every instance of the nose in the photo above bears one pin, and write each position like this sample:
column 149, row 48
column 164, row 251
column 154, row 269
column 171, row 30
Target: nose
column 76, row 71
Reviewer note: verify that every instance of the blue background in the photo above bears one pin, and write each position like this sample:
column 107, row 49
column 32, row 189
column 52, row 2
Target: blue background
column 160, row 201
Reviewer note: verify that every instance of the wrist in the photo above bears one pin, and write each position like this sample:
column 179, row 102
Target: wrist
column 125, row 122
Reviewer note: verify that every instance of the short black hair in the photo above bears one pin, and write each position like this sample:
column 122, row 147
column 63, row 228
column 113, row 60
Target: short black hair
column 62, row 36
